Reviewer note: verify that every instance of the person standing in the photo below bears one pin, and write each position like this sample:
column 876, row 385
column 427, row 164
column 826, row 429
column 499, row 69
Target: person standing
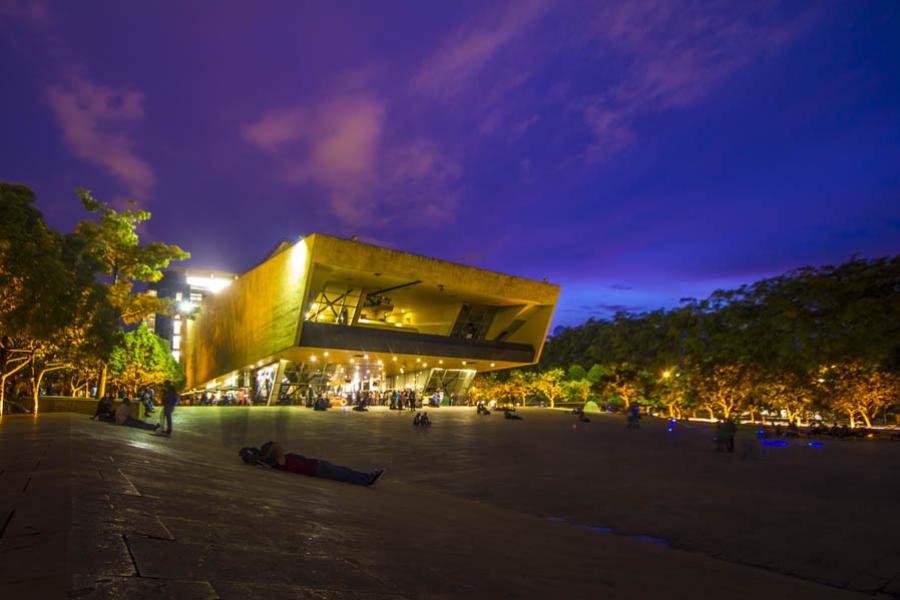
column 169, row 399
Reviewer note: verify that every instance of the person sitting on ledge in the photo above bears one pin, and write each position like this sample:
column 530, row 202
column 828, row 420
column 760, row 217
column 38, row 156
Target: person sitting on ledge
column 105, row 410
column 123, row 417
column 272, row 454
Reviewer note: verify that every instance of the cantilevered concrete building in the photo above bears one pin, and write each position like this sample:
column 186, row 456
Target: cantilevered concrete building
column 328, row 315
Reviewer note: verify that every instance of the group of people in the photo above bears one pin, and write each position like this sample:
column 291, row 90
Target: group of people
column 122, row 415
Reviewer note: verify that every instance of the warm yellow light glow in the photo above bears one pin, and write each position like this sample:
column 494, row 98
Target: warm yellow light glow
column 379, row 362
column 492, row 364
column 418, row 360
column 464, row 363
column 394, row 358
column 424, row 365
column 666, row 374
column 313, row 358
column 366, row 356
column 440, row 362
column 211, row 284
column 324, row 354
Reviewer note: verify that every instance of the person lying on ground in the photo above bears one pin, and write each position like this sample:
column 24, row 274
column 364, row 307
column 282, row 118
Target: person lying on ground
column 105, row 410
column 272, row 454
column 123, row 417
column 511, row 414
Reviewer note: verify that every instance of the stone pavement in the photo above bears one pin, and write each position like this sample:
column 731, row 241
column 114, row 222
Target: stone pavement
column 90, row 510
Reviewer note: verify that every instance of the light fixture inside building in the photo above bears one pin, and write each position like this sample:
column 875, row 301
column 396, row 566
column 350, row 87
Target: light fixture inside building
column 313, row 358
column 492, row 364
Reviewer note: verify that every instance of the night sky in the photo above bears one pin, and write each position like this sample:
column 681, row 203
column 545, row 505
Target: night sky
column 634, row 155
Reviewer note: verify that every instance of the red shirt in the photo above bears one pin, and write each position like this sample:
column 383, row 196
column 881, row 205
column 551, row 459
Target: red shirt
column 299, row 464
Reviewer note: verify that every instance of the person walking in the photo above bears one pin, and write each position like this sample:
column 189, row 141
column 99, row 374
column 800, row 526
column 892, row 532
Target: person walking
column 169, row 399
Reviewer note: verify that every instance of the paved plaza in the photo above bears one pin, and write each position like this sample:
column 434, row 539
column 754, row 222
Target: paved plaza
column 473, row 507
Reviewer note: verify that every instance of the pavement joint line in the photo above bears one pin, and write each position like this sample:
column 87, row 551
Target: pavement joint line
column 166, row 529
column 27, row 481
column 125, row 477
column 6, row 523
column 137, row 569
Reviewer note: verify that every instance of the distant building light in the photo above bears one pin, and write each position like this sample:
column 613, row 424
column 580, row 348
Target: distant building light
column 211, row 284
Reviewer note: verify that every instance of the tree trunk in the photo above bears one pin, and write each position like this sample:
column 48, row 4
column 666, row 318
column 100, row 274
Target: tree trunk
column 5, row 376
column 852, row 418
column 866, row 418
column 36, row 385
column 712, row 414
column 101, row 386
column 752, row 415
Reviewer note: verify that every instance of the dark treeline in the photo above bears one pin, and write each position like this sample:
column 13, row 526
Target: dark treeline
column 820, row 340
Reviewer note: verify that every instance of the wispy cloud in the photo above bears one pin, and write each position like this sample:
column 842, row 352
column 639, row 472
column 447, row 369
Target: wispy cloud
column 31, row 10
column 340, row 146
column 468, row 51
column 674, row 53
column 95, row 121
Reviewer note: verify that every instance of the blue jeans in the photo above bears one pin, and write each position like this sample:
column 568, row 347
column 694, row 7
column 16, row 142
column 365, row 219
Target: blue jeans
column 131, row 422
column 326, row 470
column 168, row 409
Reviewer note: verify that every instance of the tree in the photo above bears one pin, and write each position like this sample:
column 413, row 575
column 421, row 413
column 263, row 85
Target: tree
column 859, row 391
column 725, row 388
column 575, row 373
column 579, row 390
column 550, row 384
column 623, row 381
column 520, row 385
column 143, row 359
column 36, row 287
column 114, row 241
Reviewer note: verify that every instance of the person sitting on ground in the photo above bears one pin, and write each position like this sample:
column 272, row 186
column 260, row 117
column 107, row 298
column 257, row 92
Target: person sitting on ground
column 583, row 418
column 792, row 430
column 272, row 454
column 421, row 420
column 361, row 407
column 105, row 410
column 322, row 403
column 511, row 414
column 481, row 408
column 123, row 417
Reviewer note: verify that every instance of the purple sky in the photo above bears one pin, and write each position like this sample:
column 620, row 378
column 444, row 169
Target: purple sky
column 634, row 154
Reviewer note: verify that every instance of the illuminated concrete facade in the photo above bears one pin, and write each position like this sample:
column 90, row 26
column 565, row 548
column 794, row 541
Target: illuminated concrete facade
column 326, row 314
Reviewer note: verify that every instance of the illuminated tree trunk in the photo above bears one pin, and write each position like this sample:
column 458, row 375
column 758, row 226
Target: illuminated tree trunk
column 752, row 414
column 25, row 362
column 101, row 387
column 36, row 384
column 866, row 418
